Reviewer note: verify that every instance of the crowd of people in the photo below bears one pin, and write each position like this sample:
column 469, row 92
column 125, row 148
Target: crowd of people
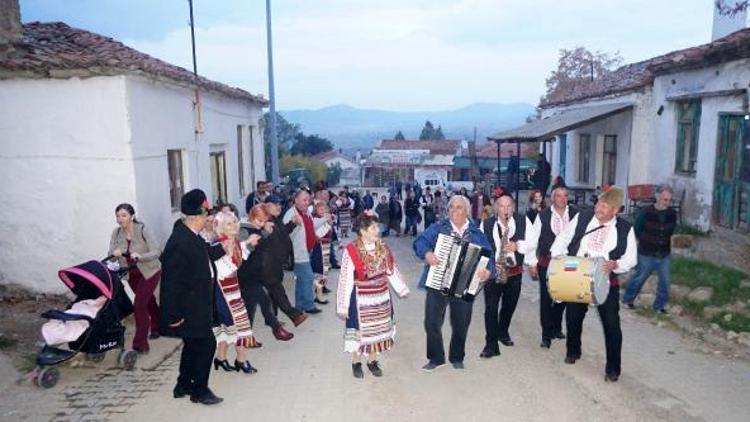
column 217, row 268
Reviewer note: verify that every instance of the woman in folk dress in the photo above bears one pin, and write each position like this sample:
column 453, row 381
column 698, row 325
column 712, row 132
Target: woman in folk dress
column 363, row 297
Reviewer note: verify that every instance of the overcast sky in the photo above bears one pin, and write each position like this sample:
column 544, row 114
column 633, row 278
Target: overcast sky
column 399, row 55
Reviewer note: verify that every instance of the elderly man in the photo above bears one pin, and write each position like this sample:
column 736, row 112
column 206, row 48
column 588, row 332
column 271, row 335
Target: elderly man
column 512, row 238
column 654, row 228
column 599, row 234
column 304, row 238
column 187, row 297
column 550, row 223
column 460, row 311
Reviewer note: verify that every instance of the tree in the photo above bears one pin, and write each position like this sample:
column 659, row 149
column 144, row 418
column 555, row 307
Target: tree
column 334, row 174
column 308, row 145
column 577, row 68
column 428, row 131
column 285, row 132
column 731, row 8
column 439, row 133
column 318, row 171
column 399, row 136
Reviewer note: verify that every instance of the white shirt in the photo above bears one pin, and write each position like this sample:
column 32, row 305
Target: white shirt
column 538, row 230
column 627, row 261
column 461, row 230
column 526, row 247
column 299, row 241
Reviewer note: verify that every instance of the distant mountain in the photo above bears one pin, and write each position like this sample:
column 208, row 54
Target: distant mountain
column 352, row 128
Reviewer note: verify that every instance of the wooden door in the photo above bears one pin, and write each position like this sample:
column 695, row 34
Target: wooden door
column 732, row 180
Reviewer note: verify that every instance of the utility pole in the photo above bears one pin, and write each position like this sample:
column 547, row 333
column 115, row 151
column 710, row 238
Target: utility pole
column 192, row 38
column 272, row 101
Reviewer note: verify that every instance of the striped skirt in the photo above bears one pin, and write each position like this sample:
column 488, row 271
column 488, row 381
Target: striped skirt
column 235, row 326
column 345, row 220
column 369, row 326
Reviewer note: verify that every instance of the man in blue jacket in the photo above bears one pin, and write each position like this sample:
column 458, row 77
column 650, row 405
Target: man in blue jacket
column 435, row 303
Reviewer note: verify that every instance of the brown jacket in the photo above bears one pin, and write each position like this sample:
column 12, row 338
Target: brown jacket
column 143, row 243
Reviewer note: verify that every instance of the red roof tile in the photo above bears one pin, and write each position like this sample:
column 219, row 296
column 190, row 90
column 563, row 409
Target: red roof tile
column 635, row 76
column 58, row 50
column 447, row 146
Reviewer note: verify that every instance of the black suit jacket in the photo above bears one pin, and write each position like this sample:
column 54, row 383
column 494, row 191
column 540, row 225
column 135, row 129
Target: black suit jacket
column 187, row 285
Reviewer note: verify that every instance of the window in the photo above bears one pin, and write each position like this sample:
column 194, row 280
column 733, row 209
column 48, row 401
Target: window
column 688, row 125
column 240, row 161
column 252, row 156
column 610, row 160
column 219, row 177
column 176, row 182
column 584, row 157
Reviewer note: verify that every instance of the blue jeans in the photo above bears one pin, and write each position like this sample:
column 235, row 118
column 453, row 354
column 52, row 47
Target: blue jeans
column 646, row 266
column 303, row 286
column 411, row 221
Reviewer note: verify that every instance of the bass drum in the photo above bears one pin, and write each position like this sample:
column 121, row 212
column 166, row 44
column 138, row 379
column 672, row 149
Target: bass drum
column 578, row 280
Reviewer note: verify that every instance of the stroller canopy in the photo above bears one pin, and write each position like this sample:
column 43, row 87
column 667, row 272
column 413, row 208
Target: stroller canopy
column 88, row 280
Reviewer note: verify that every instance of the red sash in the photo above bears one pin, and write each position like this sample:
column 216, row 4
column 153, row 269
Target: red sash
column 310, row 239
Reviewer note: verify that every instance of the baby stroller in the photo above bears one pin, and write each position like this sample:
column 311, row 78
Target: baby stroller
column 93, row 282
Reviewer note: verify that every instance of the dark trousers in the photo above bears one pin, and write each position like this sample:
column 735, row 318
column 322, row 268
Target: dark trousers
column 550, row 312
column 145, row 308
column 253, row 295
column 195, row 364
column 434, row 315
column 609, row 313
column 505, row 298
column 278, row 296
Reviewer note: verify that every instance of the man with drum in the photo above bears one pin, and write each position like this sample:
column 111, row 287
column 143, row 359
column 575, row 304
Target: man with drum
column 550, row 223
column 512, row 237
column 600, row 234
column 458, row 224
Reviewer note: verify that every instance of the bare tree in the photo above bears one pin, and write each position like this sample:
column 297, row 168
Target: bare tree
column 732, row 8
column 578, row 67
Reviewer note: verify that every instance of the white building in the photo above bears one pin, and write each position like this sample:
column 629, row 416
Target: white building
column 351, row 170
column 680, row 119
column 87, row 123
column 427, row 162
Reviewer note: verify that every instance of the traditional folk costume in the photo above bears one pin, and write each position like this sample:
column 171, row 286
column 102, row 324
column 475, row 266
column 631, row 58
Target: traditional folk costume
column 548, row 224
column 344, row 208
column 364, row 295
column 320, row 260
column 233, row 320
column 613, row 240
column 501, row 294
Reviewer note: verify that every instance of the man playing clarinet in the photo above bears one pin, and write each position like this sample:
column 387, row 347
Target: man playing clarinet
column 457, row 224
column 599, row 234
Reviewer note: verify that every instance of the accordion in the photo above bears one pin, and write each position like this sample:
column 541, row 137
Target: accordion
column 457, row 273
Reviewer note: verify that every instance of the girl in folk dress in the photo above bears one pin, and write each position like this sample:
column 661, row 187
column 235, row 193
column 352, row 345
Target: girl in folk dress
column 344, row 206
column 234, row 323
column 320, row 257
column 363, row 296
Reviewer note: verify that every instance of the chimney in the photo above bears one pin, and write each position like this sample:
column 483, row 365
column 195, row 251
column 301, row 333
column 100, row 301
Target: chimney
column 11, row 31
column 726, row 24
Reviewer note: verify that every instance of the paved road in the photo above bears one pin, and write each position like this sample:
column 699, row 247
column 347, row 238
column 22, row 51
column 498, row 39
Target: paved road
column 665, row 377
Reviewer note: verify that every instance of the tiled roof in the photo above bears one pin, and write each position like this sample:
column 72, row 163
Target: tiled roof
column 327, row 155
column 489, row 150
column 435, row 146
column 56, row 50
column 635, row 76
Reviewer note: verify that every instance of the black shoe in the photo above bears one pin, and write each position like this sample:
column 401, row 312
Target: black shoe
column 611, row 377
column 336, row 267
column 207, row 398
column 570, row 360
column 560, row 335
column 663, row 311
column 630, row 305
column 488, row 353
column 154, row 335
column 546, row 343
column 181, row 391
column 374, row 368
column 224, row 364
column 357, row 370
column 320, row 302
column 244, row 367
column 313, row 311
column 326, row 290
column 507, row 342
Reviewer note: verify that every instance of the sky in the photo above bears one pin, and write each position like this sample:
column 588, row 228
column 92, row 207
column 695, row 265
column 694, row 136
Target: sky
column 401, row 55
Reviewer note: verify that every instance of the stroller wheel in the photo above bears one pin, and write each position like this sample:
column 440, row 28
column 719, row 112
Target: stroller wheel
column 95, row 357
column 47, row 377
column 126, row 359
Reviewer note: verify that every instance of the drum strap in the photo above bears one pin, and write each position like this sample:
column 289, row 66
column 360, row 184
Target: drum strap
column 593, row 230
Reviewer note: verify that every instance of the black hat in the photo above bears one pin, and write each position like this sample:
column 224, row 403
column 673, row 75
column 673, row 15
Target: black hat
column 194, row 203
column 274, row 199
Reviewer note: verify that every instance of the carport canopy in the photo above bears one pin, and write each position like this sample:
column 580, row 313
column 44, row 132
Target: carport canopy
column 549, row 127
